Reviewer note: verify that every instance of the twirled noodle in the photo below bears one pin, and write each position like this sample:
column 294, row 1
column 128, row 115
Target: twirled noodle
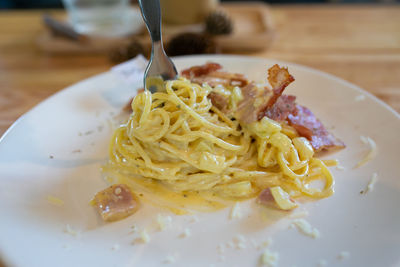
column 178, row 141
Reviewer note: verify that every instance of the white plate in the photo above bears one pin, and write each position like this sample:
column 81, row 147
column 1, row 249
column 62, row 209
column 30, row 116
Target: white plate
column 32, row 229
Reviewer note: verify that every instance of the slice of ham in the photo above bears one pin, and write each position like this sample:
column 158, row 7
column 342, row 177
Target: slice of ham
column 219, row 101
column 266, row 198
column 284, row 106
column 116, row 202
column 253, row 103
column 308, row 126
column 257, row 103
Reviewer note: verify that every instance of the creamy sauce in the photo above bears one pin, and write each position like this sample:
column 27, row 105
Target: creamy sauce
column 177, row 202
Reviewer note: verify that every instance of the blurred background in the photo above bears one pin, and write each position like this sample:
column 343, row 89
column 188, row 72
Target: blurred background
column 25, row 4
column 47, row 45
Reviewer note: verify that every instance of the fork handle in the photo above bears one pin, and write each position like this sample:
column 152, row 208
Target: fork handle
column 152, row 17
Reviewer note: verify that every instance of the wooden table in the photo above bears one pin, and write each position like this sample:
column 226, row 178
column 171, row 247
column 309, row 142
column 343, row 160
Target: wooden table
column 360, row 44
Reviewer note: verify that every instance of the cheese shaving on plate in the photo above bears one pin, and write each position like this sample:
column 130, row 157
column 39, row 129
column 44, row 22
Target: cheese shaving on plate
column 269, row 258
column 163, row 221
column 235, row 212
column 305, row 228
column 371, row 153
column 55, row 201
column 144, row 236
column 69, row 230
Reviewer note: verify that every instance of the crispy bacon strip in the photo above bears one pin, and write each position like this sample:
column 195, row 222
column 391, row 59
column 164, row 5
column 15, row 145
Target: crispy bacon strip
column 252, row 110
column 279, row 78
column 308, row 126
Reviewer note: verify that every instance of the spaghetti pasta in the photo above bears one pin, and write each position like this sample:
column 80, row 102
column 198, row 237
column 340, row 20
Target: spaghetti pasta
column 177, row 141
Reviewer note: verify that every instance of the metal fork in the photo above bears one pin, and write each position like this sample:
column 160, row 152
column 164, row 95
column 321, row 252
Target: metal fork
column 160, row 67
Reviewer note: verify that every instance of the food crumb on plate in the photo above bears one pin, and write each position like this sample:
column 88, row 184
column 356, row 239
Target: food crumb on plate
column 299, row 214
column 235, row 212
column 134, row 228
column 164, row 222
column 144, row 236
column 89, row 132
column 239, row 241
column 115, row 247
column 322, row 263
column 194, row 219
column 370, row 154
column 71, row 231
column 269, row 258
column 305, row 228
column 266, row 243
column 371, row 184
column 340, row 168
column 55, row 200
column 186, row 233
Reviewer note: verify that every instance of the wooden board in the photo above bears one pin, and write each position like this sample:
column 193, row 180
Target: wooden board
column 252, row 23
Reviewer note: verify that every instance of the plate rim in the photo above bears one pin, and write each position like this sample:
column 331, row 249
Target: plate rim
column 8, row 261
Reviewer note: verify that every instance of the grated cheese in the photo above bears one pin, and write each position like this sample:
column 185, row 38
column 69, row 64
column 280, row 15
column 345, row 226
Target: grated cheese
column 69, row 230
column 266, row 243
column 55, row 201
column 186, row 233
column 163, row 221
column 144, row 236
column 305, row 228
column 235, row 212
column 371, row 153
column 298, row 215
column 340, row 167
column 269, row 258
column 194, row 219
column 240, row 241
column 134, row 228
column 371, row 183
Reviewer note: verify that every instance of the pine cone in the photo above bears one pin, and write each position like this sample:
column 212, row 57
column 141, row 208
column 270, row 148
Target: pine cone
column 127, row 52
column 218, row 23
column 190, row 44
